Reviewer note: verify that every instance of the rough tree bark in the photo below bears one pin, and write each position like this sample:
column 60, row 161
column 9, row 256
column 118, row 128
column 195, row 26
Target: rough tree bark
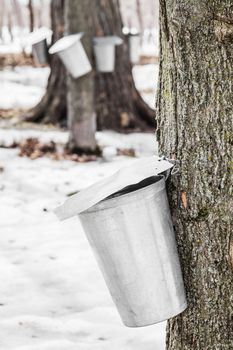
column 118, row 103
column 195, row 126
column 52, row 107
column 81, row 91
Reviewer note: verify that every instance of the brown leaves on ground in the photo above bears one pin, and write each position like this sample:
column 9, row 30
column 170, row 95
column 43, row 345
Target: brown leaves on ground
column 16, row 59
column 34, row 149
column 149, row 60
column 129, row 152
column 6, row 114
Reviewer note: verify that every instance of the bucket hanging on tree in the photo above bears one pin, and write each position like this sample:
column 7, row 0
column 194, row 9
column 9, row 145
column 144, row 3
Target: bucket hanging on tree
column 72, row 53
column 128, row 224
column 38, row 40
column 134, row 48
column 104, row 51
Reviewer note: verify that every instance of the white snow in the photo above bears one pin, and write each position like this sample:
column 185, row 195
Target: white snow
column 146, row 78
column 52, row 294
column 22, row 87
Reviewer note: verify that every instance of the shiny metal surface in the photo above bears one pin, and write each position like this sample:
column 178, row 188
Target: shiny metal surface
column 140, row 170
column 132, row 236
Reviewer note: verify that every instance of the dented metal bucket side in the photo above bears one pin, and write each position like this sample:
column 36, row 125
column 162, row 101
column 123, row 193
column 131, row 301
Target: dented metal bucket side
column 133, row 240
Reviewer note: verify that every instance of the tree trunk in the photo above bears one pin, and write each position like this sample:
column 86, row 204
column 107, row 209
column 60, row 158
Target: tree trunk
column 81, row 91
column 118, row 103
column 194, row 114
column 31, row 15
column 52, row 107
column 140, row 16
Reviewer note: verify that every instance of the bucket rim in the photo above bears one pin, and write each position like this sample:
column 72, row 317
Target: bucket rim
column 37, row 36
column 128, row 175
column 65, row 43
column 111, row 202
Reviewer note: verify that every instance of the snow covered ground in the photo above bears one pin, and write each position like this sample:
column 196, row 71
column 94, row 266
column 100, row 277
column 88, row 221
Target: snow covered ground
column 23, row 87
column 52, row 294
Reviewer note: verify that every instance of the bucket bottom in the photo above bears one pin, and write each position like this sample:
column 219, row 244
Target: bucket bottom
column 153, row 320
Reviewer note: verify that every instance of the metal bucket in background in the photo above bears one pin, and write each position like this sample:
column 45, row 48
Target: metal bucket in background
column 131, row 234
column 134, row 48
column 40, row 52
column 38, row 41
column 104, row 51
column 72, row 54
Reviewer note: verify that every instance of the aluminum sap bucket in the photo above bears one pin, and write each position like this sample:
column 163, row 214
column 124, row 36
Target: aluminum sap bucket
column 131, row 234
column 127, row 221
column 134, row 48
column 38, row 40
column 40, row 52
column 104, row 52
column 72, row 54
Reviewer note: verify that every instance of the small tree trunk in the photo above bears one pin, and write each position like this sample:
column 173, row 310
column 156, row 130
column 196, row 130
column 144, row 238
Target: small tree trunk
column 194, row 113
column 140, row 15
column 2, row 15
column 31, row 15
column 80, row 98
column 52, row 107
column 18, row 13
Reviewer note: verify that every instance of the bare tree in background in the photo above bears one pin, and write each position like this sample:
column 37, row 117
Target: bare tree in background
column 2, row 13
column 140, row 16
column 52, row 107
column 81, row 92
column 118, row 104
column 194, row 113
column 31, row 15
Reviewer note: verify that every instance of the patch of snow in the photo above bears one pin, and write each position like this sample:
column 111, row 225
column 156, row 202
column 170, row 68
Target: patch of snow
column 15, row 47
column 146, row 78
column 52, row 294
column 22, row 87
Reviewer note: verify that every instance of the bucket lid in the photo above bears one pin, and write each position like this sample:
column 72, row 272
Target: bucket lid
column 65, row 42
column 37, row 35
column 136, row 172
column 107, row 40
